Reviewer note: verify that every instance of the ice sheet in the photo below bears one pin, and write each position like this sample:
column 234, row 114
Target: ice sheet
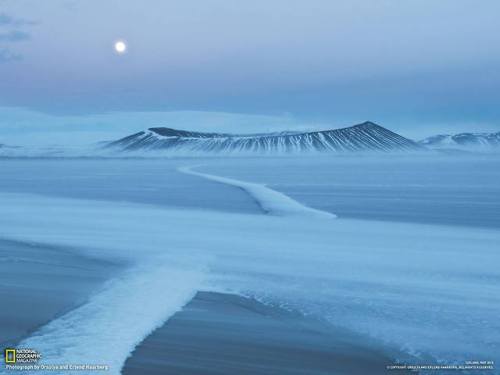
column 422, row 288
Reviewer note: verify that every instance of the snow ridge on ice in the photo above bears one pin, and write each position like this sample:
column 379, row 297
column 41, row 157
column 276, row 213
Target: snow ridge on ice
column 128, row 308
column 271, row 201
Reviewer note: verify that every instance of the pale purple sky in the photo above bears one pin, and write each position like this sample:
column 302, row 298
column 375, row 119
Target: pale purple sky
column 418, row 66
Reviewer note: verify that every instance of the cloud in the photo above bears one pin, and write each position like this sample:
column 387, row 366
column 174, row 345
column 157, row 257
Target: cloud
column 6, row 55
column 7, row 20
column 14, row 36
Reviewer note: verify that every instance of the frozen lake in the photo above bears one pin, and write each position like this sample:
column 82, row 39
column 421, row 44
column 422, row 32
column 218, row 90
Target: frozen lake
column 150, row 181
column 440, row 190
column 411, row 262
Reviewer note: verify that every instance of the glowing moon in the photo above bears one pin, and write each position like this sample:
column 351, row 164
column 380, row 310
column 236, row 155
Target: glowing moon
column 120, row 47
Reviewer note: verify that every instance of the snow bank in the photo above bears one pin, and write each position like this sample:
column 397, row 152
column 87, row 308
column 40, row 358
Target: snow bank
column 107, row 329
column 271, row 201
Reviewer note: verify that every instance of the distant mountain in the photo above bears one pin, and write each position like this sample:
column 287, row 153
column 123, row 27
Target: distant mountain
column 53, row 151
column 466, row 141
column 363, row 137
column 7, row 150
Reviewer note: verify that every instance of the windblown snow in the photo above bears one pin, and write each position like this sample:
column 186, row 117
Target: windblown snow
column 404, row 284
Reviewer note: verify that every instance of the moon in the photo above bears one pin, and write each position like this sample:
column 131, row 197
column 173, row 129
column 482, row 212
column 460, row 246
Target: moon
column 120, row 47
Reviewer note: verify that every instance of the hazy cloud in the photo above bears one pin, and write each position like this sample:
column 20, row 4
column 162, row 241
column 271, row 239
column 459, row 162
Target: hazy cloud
column 6, row 19
column 343, row 61
column 11, row 36
column 14, row 36
column 6, row 55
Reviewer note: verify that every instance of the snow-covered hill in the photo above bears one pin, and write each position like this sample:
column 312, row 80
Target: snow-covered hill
column 466, row 141
column 363, row 137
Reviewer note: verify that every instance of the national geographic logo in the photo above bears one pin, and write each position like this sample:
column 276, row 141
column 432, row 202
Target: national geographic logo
column 10, row 355
column 15, row 356
column 27, row 360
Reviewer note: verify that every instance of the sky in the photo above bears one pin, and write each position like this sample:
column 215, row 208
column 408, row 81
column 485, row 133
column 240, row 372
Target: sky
column 419, row 67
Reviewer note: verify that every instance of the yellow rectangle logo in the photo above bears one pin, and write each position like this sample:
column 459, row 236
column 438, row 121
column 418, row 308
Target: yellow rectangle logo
column 10, row 355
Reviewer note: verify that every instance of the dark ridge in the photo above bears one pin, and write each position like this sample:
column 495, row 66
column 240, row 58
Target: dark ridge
column 366, row 136
column 169, row 132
